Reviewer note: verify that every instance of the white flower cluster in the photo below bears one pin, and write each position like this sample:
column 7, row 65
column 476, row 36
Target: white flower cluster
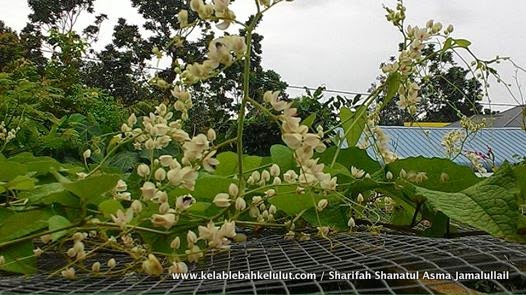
column 6, row 135
column 373, row 133
column 410, row 58
column 472, row 126
column 221, row 51
column 157, row 130
column 476, row 161
column 452, row 142
column 298, row 138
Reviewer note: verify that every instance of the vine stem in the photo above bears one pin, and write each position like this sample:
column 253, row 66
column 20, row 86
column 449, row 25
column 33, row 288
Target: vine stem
column 246, row 89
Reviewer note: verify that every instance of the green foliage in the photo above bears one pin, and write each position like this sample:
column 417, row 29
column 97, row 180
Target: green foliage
column 490, row 205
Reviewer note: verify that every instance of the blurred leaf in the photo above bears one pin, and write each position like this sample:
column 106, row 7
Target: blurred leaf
column 57, row 222
column 19, row 258
column 91, row 189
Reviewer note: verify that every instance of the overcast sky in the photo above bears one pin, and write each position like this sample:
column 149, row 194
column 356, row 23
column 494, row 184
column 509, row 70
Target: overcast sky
column 340, row 43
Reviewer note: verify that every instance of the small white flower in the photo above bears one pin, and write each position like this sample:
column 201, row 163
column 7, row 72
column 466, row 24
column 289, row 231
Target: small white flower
column 160, row 174
column 165, row 220
column 274, row 170
column 357, row 173
column 68, row 273
column 178, row 267
column 222, row 200
column 241, row 204
column 143, row 170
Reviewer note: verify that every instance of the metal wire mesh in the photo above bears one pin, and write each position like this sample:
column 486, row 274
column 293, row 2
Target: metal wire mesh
column 391, row 253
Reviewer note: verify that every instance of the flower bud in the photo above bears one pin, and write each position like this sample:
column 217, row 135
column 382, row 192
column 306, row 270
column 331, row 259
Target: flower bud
column 165, row 160
column 322, row 204
column 2, row 260
column 182, row 18
column 136, row 206
column 403, row 174
column 46, row 238
column 160, row 174
column 68, row 273
column 37, row 252
column 152, row 266
column 143, row 170
column 269, row 193
column 444, row 177
column 255, row 176
column 274, row 170
column 191, row 238
column 165, row 220
column 95, row 267
column 272, row 209
column 178, row 267
column 148, row 190
column 87, row 154
column 222, row 200
column 175, row 243
column 277, row 181
column 241, row 204
column 389, row 175
column 265, row 175
column 164, row 208
column 112, row 263
column 351, row 223
column 256, row 200
column 233, row 190
column 360, row 198
column 211, row 134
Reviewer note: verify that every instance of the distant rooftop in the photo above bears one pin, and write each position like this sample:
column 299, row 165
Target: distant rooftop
column 506, row 143
column 514, row 117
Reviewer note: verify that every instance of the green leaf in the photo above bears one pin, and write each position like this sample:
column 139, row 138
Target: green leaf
column 109, row 207
column 283, row 157
column 333, row 216
column 208, row 186
column 21, row 183
column 490, row 205
column 57, row 222
column 447, row 44
column 392, row 83
column 10, row 170
column 442, row 174
column 19, row 258
column 92, row 189
column 352, row 156
column 353, row 124
column 39, row 165
column 462, row 43
column 51, row 193
column 124, row 161
column 309, row 120
column 23, row 223
column 293, row 203
column 227, row 163
column 251, row 162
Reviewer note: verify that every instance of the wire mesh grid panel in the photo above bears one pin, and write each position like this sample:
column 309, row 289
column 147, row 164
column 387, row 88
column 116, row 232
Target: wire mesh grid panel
column 337, row 264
